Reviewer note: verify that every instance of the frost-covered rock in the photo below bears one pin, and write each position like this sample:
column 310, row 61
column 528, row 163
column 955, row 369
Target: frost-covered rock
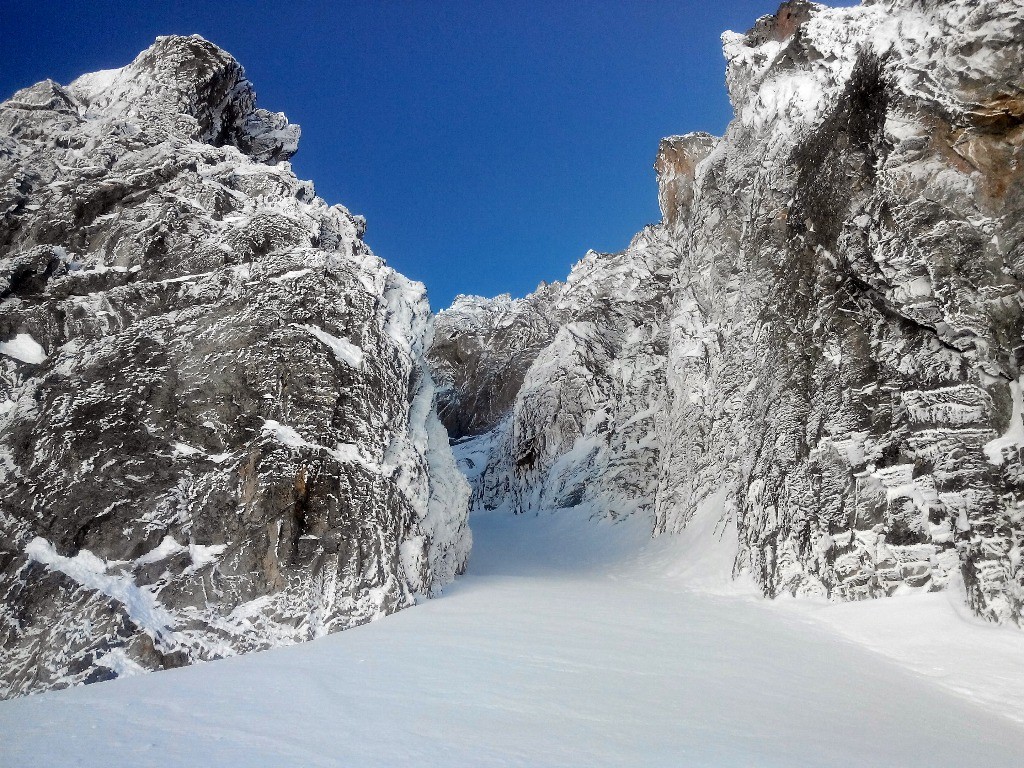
column 839, row 344
column 848, row 342
column 581, row 430
column 217, row 430
column 581, row 369
column 481, row 350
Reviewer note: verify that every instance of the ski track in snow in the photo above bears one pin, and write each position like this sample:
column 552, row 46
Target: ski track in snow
column 569, row 643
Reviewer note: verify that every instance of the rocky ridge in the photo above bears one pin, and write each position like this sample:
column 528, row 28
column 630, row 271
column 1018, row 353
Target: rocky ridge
column 580, row 428
column 821, row 343
column 217, row 430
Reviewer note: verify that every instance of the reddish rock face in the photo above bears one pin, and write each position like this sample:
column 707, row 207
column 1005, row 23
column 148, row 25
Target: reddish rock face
column 676, row 166
column 782, row 24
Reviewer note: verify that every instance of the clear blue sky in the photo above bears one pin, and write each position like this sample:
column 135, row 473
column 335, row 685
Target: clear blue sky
column 489, row 144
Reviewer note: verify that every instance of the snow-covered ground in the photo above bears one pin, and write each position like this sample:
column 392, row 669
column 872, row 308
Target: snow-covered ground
column 571, row 643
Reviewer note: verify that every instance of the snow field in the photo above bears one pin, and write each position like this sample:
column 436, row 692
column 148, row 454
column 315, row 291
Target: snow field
column 568, row 643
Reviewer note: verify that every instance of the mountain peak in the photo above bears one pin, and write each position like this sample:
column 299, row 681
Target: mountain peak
column 188, row 88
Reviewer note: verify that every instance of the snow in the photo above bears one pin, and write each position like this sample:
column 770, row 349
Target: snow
column 185, row 278
column 88, row 86
column 935, row 635
column 450, row 540
column 285, row 435
column 85, row 568
column 24, row 348
column 350, row 453
column 167, row 547
column 179, row 449
column 204, row 554
column 471, row 453
column 346, row 453
column 1014, row 435
column 291, row 275
column 343, row 350
column 184, row 449
column 571, row 642
column 118, row 661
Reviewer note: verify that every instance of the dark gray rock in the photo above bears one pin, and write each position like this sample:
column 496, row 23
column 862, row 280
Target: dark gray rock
column 481, row 351
column 217, row 431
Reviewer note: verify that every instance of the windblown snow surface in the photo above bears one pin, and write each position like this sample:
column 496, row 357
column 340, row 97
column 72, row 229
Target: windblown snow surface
column 572, row 642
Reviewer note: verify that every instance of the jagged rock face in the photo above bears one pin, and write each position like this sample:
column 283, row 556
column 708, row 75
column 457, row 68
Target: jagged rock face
column 842, row 358
column 216, row 421
column 580, row 431
column 578, row 428
column 481, row 351
column 847, row 345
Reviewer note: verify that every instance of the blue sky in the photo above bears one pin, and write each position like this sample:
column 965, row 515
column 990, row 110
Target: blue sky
column 489, row 144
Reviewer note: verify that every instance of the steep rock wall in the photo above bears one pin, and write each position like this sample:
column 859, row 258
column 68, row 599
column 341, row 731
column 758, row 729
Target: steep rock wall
column 836, row 354
column 481, row 351
column 217, row 430
column 847, row 336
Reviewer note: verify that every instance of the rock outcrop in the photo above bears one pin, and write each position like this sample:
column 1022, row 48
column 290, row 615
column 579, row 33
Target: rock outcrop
column 825, row 333
column 481, row 351
column 581, row 366
column 217, row 430
column 676, row 167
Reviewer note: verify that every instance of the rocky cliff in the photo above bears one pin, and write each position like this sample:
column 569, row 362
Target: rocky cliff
column 823, row 337
column 217, row 430
column 481, row 351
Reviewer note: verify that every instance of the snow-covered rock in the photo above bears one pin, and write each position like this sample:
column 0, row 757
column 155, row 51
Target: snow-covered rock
column 848, row 336
column 827, row 324
column 481, row 350
column 581, row 369
column 217, row 430
column 581, row 429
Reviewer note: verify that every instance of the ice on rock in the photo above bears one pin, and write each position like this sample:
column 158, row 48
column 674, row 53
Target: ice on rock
column 345, row 351
column 1012, row 440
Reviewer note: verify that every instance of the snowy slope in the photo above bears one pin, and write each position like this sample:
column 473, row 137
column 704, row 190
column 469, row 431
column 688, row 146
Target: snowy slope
column 568, row 643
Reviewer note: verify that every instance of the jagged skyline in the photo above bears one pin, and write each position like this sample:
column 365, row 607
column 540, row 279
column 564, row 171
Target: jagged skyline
column 554, row 158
